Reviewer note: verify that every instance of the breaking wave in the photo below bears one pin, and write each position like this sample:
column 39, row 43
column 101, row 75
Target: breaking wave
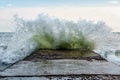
column 23, row 44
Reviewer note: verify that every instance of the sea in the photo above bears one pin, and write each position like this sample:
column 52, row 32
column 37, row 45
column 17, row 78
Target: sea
column 22, row 44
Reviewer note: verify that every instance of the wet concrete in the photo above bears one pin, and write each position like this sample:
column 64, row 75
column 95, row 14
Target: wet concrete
column 51, row 54
column 53, row 65
column 63, row 54
column 4, row 66
column 61, row 67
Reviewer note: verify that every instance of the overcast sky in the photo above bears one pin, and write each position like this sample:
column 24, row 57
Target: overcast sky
column 105, row 10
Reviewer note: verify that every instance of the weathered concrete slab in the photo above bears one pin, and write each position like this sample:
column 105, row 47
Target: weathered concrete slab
column 41, row 78
column 62, row 78
column 4, row 66
column 79, row 77
column 61, row 67
column 26, row 78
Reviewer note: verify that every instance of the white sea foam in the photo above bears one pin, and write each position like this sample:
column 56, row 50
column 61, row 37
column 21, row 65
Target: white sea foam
column 22, row 43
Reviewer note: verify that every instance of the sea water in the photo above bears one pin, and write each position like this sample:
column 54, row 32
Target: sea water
column 21, row 43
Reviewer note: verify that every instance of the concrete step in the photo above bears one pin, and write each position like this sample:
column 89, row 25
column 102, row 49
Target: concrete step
column 60, row 67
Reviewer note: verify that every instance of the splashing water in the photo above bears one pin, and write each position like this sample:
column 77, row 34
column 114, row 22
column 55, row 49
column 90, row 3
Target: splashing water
column 22, row 43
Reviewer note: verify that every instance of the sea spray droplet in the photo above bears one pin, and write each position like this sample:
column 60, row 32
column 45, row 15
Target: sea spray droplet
column 62, row 34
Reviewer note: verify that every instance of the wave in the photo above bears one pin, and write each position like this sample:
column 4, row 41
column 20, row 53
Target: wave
column 23, row 43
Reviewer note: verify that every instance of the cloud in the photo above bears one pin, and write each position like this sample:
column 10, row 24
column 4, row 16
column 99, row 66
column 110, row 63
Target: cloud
column 9, row 5
column 1, row 7
column 6, row 6
column 113, row 2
